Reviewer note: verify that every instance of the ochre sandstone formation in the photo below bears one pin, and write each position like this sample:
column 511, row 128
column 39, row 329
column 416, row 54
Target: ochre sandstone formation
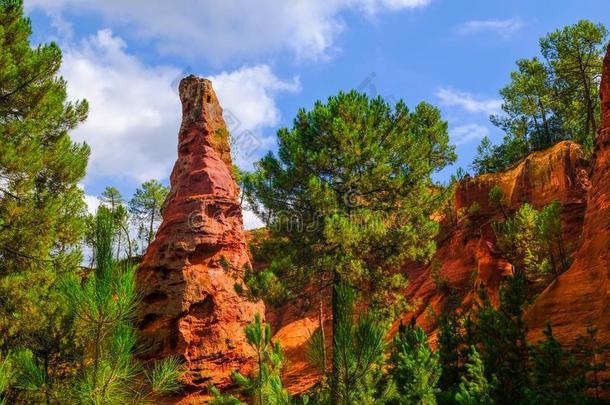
column 189, row 274
column 466, row 253
column 580, row 298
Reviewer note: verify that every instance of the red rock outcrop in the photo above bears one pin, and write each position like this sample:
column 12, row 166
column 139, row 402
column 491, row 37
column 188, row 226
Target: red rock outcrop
column 581, row 296
column 188, row 276
column 466, row 253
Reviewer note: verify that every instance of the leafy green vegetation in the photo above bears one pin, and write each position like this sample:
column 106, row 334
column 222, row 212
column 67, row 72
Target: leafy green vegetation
column 145, row 207
column 532, row 240
column 102, row 309
column 500, row 367
column 265, row 387
column 475, row 389
column 415, row 367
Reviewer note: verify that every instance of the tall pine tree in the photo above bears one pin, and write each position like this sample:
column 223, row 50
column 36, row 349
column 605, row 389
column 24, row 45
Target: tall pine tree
column 351, row 194
column 41, row 204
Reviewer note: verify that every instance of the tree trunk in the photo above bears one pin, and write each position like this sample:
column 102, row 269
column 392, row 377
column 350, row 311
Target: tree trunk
column 323, row 337
column 591, row 124
column 118, row 246
column 334, row 386
column 545, row 123
column 260, row 377
column 150, row 228
column 128, row 241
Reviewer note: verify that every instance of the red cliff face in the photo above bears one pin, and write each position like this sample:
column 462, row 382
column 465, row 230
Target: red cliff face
column 466, row 254
column 580, row 297
column 189, row 273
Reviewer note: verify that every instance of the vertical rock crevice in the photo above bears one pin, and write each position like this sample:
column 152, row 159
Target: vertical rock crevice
column 188, row 275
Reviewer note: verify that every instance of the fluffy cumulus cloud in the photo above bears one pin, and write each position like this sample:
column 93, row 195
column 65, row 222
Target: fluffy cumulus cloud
column 133, row 108
column 306, row 28
column 248, row 98
column 135, row 111
column 467, row 101
column 504, row 28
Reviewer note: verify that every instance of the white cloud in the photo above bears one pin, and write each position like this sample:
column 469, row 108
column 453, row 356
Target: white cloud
column 135, row 111
column 463, row 134
column 92, row 203
column 467, row 101
column 375, row 6
column 225, row 30
column 133, row 108
column 251, row 221
column 238, row 89
column 248, row 99
column 504, row 28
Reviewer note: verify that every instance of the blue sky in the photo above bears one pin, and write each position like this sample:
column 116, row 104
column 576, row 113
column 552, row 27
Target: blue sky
column 267, row 58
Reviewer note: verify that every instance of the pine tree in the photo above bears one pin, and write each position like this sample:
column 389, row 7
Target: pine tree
column 359, row 346
column 111, row 198
column 41, row 205
column 530, row 107
column 518, row 240
column 121, row 219
column 498, row 200
column 556, row 377
column 265, row 386
column 502, row 330
column 549, row 232
column 451, row 341
column 416, row 369
column 594, row 355
column 146, row 206
column 549, row 100
column 532, row 241
column 575, row 53
column 104, row 307
column 475, row 388
column 351, row 195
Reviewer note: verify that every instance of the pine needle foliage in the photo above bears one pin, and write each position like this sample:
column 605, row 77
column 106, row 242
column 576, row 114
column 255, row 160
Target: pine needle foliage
column 41, row 205
column 549, row 99
column 265, row 386
column 351, row 195
column 359, row 354
column 416, row 368
column 556, row 376
column 104, row 306
column 6, row 377
column 502, row 330
column 475, row 388
column 532, row 241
